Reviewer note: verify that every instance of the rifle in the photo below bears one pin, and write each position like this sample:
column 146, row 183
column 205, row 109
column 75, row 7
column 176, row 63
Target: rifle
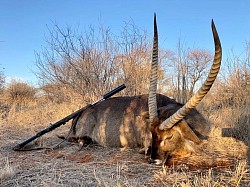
column 66, row 119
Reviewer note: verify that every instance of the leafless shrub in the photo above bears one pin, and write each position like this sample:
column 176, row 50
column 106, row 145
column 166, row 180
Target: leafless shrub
column 18, row 92
column 94, row 62
column 57, row 94
column 189, row 67
column 235, row 84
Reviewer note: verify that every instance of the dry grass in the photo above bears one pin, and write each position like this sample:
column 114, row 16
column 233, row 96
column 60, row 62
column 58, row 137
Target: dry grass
column 221, row 161
column 7, row 171
column 36, row 113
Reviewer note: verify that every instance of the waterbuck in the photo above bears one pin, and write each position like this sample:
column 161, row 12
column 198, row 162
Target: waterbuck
column 150, row 120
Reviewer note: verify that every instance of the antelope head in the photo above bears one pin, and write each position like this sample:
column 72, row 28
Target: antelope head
column 173, row 133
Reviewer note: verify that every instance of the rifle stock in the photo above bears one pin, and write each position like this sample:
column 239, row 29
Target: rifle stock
column 66, row 119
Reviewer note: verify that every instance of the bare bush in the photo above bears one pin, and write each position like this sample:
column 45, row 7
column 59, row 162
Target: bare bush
column 235, row 84
column 189, row 68
column 75, row 61
column 95, row 62
column 18, row 92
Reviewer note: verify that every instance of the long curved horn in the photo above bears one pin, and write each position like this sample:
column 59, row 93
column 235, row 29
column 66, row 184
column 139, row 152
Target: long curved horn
column 152, row 102
column 194, row 101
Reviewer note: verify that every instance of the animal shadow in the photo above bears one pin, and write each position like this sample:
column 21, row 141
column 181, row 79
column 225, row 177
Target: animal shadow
column 240, row 132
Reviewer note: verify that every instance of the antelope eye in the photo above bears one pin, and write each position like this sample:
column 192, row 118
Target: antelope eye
column 168, row 137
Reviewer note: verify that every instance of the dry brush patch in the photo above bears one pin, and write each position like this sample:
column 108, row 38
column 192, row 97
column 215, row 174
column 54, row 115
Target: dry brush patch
column 221, row 161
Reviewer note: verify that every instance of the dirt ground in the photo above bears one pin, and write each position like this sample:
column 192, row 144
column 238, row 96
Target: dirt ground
column 217, row 164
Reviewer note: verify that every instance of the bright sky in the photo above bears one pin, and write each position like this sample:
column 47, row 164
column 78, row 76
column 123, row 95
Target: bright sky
column 23, row 24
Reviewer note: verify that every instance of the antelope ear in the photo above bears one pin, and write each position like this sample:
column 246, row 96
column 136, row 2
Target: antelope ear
column 187, row 132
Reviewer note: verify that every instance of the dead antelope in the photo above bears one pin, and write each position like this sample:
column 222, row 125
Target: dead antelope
column 155, row 120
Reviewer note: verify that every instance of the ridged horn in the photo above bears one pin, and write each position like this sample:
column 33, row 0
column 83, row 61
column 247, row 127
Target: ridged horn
column 194, row 101
column 152, row 103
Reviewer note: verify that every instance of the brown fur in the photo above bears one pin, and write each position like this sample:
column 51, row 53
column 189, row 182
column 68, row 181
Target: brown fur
column 123, row 122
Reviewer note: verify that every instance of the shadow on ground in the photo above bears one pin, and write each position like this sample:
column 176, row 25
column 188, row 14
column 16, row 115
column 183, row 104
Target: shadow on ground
column 240, row 132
